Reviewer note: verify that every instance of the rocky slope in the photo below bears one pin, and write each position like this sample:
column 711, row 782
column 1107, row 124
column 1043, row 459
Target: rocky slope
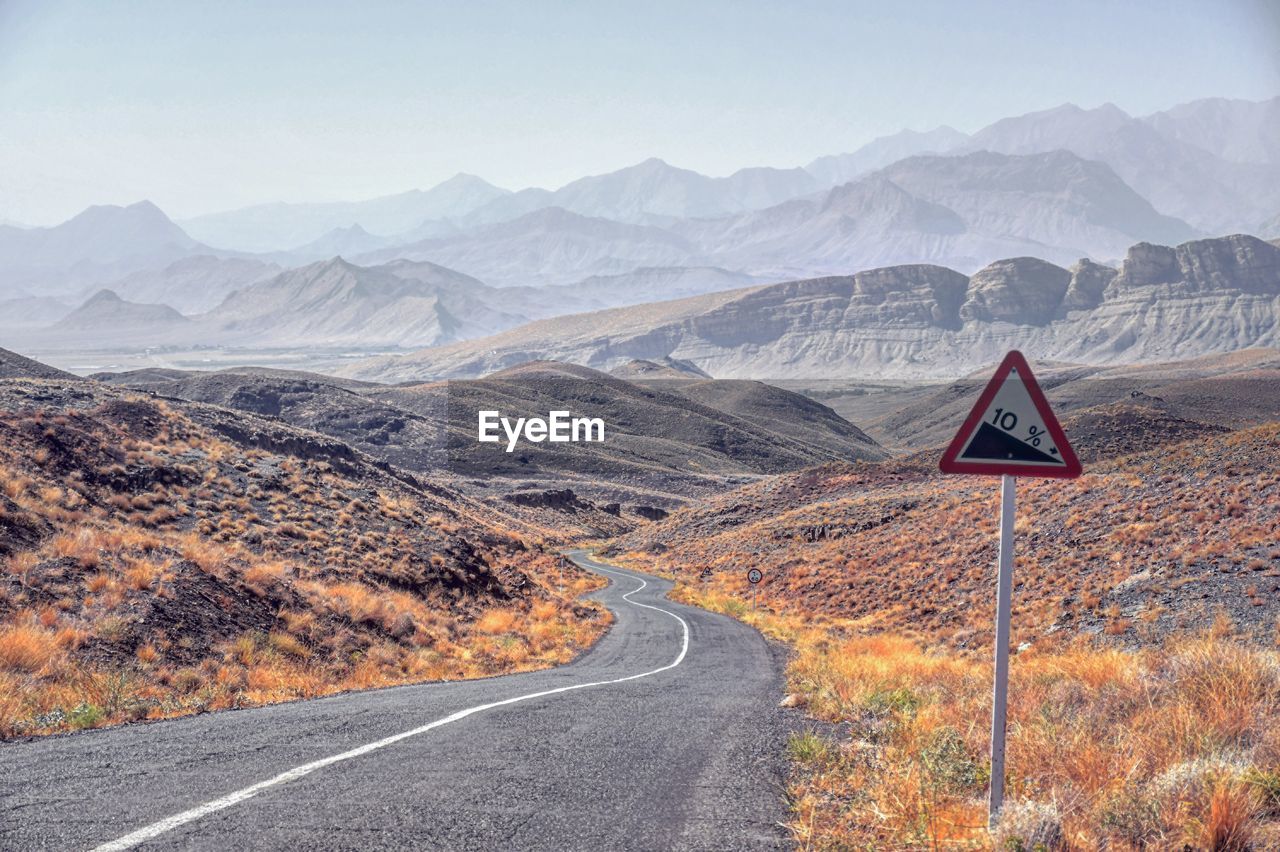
column 1164, row 302
column 15, row 366
column 663, row 444
column 168, row 557
column 899, row 547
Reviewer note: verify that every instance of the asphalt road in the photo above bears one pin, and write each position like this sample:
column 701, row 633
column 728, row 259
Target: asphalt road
column 666, row 735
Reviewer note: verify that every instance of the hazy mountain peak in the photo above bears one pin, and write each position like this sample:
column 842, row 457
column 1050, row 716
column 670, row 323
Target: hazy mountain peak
column 466, row 180
column 1235, row 130
column 882, row 151
column 105, row 311
column 104, row 296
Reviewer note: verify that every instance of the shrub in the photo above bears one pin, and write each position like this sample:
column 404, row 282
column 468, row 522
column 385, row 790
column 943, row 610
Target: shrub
column 26, row 648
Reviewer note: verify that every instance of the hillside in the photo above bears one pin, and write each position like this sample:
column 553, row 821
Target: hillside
column 15, row 366
column 663, row 445
column 670, row 445
column 1143, row 545
column 166, row 557
column 1239, row 389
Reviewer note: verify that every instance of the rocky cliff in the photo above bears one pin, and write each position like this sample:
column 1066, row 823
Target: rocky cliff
column 1201, row 297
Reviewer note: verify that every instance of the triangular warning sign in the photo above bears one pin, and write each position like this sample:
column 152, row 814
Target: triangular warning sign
column 1011, row 430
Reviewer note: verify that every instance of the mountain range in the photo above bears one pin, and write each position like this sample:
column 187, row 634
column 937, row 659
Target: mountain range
column 916, row 320
column 466, row 259
column 1212, row 162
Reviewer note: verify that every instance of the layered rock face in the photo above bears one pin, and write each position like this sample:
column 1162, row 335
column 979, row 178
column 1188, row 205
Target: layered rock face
column 1089, row 282
column 1237, row 262
column 1021, row 290
column 1164, row 303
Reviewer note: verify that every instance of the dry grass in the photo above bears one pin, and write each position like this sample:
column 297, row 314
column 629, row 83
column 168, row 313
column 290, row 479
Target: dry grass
column 28, row 648
column 162, row 571
column 1158, row 748
column 1141, row 716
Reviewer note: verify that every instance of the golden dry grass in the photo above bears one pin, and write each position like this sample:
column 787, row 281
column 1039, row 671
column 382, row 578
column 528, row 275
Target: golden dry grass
column 151, row 569
column 1166, row 747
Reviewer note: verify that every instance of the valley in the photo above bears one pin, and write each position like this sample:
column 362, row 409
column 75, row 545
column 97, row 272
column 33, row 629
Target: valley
column 244, row 464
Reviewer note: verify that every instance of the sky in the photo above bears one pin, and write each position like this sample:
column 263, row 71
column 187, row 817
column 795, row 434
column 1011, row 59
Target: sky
column 201, row 106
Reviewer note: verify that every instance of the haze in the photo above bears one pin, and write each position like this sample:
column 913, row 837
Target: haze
column 202, row 108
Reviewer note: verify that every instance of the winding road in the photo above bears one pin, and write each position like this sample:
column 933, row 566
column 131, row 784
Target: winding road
column 665, row 735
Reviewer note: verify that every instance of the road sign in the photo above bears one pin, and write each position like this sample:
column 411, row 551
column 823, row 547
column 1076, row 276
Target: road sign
column 1011, row 431
column 754, row 576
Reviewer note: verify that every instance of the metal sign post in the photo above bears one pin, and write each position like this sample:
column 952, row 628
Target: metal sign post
column 1010, row 432
column 1000, row 692
column 754, row 577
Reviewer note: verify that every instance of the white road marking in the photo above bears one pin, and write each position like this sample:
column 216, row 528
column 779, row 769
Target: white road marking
column 154, row 830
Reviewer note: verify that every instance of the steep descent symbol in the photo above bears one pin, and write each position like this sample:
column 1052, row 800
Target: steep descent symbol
column 1011, row 430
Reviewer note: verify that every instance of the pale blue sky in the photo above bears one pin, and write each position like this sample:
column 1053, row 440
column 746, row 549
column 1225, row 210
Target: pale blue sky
column 211, row 105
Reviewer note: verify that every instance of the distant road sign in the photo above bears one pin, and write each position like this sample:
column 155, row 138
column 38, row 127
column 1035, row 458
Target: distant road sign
column 1012, row 430
column 754, row 576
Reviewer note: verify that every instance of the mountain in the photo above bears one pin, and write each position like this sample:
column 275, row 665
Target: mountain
column 337, row 303
column 666, row 369
column 346, row 242
column 549, row 246
column 248, row 304
column 99, row 245
column 656, row 193
column 1178, row 178
column 1055, row 198
column 836, row 169
column 1204, row 296
column 105, row 313
column 961, row 211
column 28, row 312
column 193, row 284
column 1236, row 130
column 272, row 227
column 662, row 445
column 670, row 444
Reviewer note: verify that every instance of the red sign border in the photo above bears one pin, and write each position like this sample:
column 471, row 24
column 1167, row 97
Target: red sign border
column 950, row 461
